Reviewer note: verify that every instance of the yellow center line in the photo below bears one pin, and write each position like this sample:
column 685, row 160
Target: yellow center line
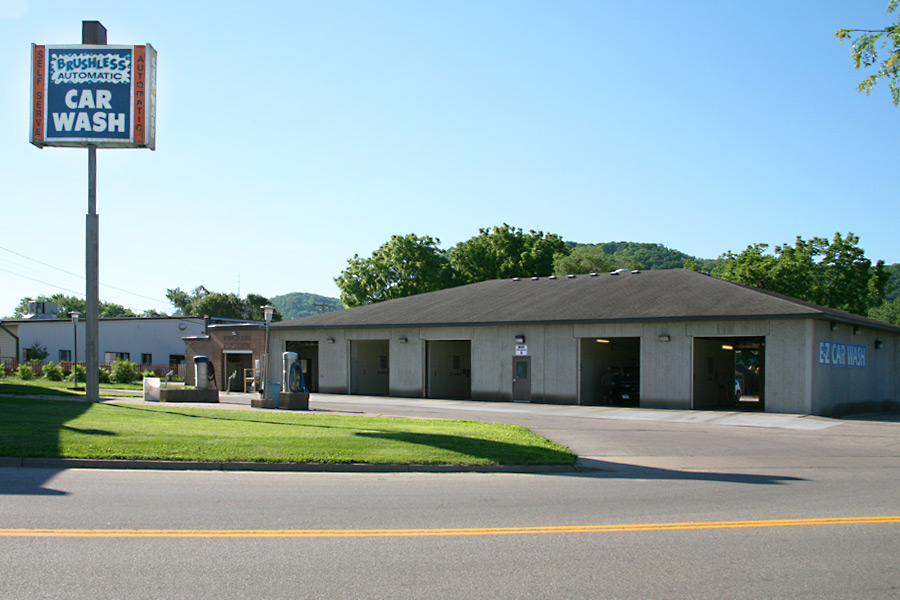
column 331, row 533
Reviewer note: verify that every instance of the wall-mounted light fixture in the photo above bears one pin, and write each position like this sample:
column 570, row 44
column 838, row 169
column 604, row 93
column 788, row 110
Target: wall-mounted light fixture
column 520, row 339
column 833, row 326
column 602, row 341
column 727, row 347
column 403, row 340
column 330, row 340
column 856, row 330
column 665, row 338
column 879, row 344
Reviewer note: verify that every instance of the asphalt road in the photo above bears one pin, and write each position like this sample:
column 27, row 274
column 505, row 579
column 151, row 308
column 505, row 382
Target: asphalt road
column 681, row 505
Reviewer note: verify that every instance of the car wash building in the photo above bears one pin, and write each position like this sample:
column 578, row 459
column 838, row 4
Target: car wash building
column 661, row 339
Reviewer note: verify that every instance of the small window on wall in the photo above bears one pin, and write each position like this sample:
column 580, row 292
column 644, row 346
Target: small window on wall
column 176, row 359
column 111, row 357
column 146, row 359
column 65, row 356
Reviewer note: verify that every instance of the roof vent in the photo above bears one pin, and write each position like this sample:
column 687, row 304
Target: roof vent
column 516, row 279
column 552, row 277
column 623, row 271
column 636, row 272
column 534, row 278
column 613, row 272
column 592, row 275
column 570, row 276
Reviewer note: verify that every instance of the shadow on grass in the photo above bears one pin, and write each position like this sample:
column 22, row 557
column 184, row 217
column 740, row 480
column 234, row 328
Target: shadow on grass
column 501, row 453
column 31, row 428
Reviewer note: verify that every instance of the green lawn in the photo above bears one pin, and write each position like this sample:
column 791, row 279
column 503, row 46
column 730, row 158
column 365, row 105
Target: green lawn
column 74, row 429
column 13, row 386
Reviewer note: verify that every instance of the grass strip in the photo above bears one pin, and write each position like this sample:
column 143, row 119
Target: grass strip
column 65, row 429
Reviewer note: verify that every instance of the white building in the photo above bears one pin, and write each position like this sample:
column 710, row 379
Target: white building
column 145, row 341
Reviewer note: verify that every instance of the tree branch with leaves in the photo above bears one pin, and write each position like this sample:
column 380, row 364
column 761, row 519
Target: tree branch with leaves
column 865, row 51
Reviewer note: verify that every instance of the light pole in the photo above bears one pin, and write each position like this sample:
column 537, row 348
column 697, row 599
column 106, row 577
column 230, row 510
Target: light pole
column 268, row 311
column 75, row 314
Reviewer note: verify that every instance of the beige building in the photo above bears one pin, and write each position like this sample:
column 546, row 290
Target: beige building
column 661, row 339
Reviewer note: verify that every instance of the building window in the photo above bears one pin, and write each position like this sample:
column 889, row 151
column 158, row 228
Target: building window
column 146, row 359
column 65, row 356
column 176, row 359
column 111, row 357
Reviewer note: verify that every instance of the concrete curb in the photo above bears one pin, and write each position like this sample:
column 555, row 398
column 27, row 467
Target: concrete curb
column 91, row 463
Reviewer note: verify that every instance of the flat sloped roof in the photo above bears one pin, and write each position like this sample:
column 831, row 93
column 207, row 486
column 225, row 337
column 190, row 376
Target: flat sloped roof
column 664, row 295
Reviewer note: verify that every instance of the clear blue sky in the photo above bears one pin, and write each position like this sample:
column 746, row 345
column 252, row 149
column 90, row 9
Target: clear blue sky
column 293, row 135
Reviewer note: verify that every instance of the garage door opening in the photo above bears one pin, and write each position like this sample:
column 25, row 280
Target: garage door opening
column 308, row 354
column 369, row 367
column 235, row 364
column 448, row 366
column 729, row 373
column 611, row 371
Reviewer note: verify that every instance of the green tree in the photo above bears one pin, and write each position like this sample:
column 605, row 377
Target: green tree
column 889, row 312
column 836, row 274
column 253, row 304
column 36, row 352
column 403, row 266
column 506, row 251
column 865, row 53
column 202, row 302
column 588, row 259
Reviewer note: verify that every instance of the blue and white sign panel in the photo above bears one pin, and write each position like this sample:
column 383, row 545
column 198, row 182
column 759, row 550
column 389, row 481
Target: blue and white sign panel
column 839, row 354
column 103, row 96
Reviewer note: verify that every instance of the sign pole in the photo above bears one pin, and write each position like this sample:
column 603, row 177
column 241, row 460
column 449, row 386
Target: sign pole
column 92, row 290
column 92, row 32
column 99, row 96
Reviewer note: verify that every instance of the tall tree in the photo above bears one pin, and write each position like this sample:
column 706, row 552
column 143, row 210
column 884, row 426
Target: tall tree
column 865, row 53
column 202, row 302
column 836, row 274
column 506, row 251
column 403, row 266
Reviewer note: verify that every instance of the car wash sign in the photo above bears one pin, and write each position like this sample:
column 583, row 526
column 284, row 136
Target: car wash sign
column 839, row 354
column 102, row 96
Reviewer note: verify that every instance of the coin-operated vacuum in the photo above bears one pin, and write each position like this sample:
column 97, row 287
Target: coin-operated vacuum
column 294, row 394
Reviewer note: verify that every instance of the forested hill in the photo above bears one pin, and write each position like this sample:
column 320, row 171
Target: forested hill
column 647, row 256
column 300, row 304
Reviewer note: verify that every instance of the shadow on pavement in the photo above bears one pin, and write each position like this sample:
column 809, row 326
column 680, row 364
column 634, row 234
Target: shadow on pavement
column 16, row 481
column 602, row 468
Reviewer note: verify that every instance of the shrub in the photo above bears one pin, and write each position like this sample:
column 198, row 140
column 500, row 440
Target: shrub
column 2, row 370
column 123, row 371
column 25, row 373
column 53, row 372
column 148, row 373
column 80, row 371
column 104, row 375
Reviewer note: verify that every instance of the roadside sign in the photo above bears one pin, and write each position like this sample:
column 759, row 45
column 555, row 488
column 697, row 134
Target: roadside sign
column 90, row 95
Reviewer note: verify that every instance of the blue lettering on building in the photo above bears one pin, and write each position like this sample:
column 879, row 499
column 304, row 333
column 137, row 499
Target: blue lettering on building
column 839, row 354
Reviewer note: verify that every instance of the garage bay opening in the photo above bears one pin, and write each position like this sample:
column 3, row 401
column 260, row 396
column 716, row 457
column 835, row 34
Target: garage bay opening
column 448, row 368
column 611, row 371
column 729, row 373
